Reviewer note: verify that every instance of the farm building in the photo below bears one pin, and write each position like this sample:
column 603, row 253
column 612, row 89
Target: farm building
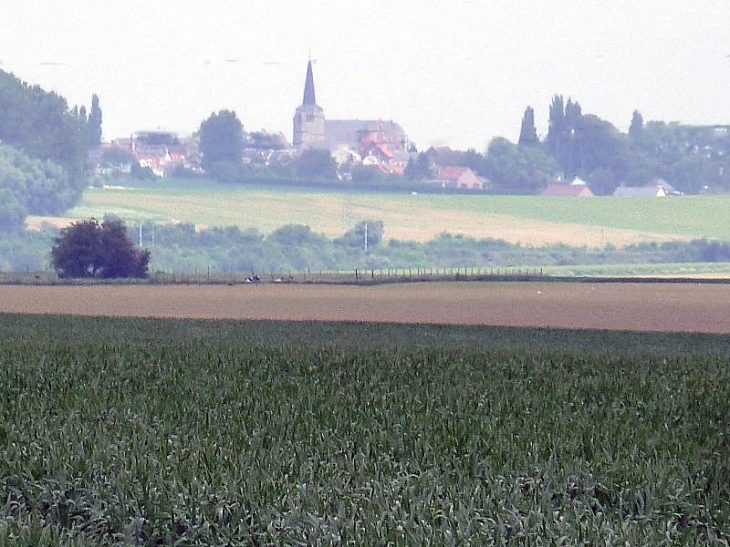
column 459, row 177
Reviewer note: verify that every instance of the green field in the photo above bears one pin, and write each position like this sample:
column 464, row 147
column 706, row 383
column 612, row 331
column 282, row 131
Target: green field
column 147, row 432
column 526, row 219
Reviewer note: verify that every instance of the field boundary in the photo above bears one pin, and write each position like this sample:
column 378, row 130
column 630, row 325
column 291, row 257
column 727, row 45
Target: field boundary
column 361, row 277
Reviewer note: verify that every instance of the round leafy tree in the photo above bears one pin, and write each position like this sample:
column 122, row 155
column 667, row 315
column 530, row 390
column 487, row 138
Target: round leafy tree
column 89, row 248
column 221, row 144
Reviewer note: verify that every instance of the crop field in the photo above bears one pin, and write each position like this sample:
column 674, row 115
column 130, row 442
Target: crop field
column 528, row 220
column 134, row 431
column 688, row 307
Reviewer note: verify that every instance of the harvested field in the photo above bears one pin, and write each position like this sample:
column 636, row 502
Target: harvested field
column 612, row 306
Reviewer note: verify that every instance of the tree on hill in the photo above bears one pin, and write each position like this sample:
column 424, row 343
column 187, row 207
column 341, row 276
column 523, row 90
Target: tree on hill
column 98, row 250
column 221, row 145
column 31, row 186
column 42, row 126
column 48, row 143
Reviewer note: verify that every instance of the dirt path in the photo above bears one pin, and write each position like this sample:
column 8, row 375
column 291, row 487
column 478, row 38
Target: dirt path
column 658, row 307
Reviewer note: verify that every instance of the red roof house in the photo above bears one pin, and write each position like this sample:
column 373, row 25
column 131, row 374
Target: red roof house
column 459, row 177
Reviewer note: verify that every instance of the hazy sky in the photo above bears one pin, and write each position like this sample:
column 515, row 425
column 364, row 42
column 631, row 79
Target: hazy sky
column 455, row 73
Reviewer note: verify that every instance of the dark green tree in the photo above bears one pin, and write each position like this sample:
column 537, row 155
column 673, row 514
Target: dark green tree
column 569, row 158
column 89, row 248
column 43, row 127
column 315, row 163
column 366, row 234
column 366, row 174
column 94, row 121
column 599, row 145
column 602, row 181
column 528, row 132
column 39, row 186
column 221, row 145
column 473, row 160
column 636, row 129
column 691, row 158
column 518, row 169
column 565, row 119
column 418, row 169
column 557, row 127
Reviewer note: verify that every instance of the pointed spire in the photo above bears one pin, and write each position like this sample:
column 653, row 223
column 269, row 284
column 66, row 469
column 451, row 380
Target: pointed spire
column 309, row 98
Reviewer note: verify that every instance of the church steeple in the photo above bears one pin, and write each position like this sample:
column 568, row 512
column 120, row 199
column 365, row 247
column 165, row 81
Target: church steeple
column 309, row 122
column 309, row 98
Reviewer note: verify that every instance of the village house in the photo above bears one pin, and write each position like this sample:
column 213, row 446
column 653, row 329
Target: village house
column 460, row 178
column 161, row 151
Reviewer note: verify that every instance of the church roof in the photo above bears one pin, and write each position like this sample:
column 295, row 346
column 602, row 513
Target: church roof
column 309, row 98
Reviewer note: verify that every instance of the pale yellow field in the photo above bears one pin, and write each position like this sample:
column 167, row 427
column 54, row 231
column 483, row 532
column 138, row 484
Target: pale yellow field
column 406, row 227
column 615, row 306
column 406, row 217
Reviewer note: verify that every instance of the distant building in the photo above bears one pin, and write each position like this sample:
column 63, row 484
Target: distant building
column 577, row 189
column 385, row 142
column 640, row 192
column 461, row 178
column 661, row 184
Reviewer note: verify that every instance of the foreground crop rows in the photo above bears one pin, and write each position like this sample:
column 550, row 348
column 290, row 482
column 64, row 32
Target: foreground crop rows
column 203, row 432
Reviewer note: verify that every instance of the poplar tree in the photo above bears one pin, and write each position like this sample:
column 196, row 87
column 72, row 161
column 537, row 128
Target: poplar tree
column 528, row 132
column 636, row 129
column 94, row 121
column 556, row 126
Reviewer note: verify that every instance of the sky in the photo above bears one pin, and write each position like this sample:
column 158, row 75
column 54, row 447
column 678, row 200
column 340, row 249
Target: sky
column 454, row 73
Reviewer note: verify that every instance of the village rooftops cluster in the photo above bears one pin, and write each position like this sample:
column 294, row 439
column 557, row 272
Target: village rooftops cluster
column 380, row 144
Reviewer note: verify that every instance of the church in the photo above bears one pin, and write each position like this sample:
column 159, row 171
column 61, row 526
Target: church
column 376, row 139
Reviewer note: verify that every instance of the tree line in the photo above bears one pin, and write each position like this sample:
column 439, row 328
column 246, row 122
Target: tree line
column 181, row 248
column 110, row 249
column 692, row 159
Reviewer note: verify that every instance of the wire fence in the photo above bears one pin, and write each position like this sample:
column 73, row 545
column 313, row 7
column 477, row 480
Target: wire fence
column 351, row 277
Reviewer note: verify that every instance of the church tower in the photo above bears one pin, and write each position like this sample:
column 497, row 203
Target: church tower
column 309, row 124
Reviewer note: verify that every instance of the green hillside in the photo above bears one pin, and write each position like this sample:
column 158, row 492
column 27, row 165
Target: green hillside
column 531, row 220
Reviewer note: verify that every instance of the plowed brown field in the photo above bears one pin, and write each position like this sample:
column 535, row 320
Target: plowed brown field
column 624, row 306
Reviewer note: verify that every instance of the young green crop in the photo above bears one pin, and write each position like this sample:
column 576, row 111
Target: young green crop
column 141, row 432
